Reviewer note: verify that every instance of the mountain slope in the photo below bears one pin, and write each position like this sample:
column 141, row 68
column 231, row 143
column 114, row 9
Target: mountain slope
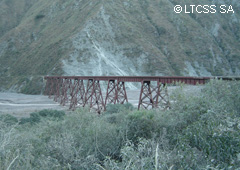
column 105, row 37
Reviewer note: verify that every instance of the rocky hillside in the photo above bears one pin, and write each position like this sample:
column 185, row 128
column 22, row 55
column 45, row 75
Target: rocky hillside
column 120, row 37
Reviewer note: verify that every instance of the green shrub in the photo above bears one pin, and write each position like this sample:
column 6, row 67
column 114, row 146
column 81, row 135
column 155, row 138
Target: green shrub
column 52, row 113
column 8, row 119
column 79, row 141
column 117, row 108
column 49, row 114
column 200, row 132
column 155, row 154
column 39, row 16
column 190, row 106
column 223, row 96
column 34, row 118
column 217, row 137
column 141, row 124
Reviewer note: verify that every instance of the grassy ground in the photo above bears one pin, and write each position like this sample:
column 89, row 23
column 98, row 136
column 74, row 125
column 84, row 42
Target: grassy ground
column 198, row 132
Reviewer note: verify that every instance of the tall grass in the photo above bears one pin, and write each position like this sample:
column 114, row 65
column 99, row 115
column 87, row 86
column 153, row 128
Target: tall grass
column 198, row 132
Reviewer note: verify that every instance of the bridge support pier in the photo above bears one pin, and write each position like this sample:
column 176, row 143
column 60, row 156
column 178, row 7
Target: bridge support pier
column 162, row 100
column 73, row 93
column 89, row 92
column 146, row 99
column 78, row 94
column 111, row 93
column 97, row 102
column 51, row 85
column 66, row 89
column 58, row 89
column 116, row 93
column 93, row 96
column 154, row 97
column 121, row 94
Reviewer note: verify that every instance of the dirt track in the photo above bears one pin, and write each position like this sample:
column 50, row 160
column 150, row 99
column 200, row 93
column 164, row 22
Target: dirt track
column 21, row 105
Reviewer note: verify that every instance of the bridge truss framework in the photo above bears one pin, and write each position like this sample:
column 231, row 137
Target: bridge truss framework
column 79, row 91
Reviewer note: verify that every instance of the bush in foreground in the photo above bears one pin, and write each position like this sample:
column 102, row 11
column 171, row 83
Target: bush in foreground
column 8, row 119
column 46, row 114
column 199, row 132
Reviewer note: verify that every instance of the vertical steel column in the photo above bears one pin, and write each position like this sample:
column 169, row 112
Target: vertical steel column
column 65, row 91
column 121, row 94
column 89, row 91
column 73, row 94
column 58, row 89
column 51, row 88
column 70, row 88
column 111, row 93
column 156, row 94
column 81, row 93
column 55, row 89
column 146, row 99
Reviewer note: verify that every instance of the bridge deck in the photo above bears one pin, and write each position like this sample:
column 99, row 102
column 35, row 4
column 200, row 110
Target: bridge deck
column 162, row 79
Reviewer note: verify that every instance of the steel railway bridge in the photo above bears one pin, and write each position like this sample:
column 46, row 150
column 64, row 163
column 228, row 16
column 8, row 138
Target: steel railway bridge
column 79, row 91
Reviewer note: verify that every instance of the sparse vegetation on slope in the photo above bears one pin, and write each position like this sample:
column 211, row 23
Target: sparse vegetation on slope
column 105, row 37
column 199, row 132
